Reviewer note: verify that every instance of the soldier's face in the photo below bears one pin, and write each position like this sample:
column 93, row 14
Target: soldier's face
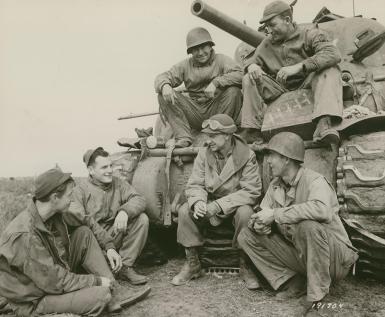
column 201, row 53
column 279, row 28
column 277, row 163
column 217, row 142
column 101, row 169
column 62, row 203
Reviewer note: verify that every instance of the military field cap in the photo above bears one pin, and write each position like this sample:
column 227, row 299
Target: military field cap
column 273, row 9
column 219, row 123
column 88, row 154
column 48, row 181
column 288, row 144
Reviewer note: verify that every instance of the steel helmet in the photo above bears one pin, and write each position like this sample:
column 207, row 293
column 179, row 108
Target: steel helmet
column 288, row 144
column 273, row 9
column 197, row 36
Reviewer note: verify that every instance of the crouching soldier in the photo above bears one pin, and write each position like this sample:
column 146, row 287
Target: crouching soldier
column 39, row 262
column 114, row 212
column 224, row 183
column 310, row 247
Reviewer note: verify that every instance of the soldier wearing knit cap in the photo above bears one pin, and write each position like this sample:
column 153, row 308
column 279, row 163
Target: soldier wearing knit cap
column 292, row 57
column 40, row 262
column 223, row 186
column 114, row 211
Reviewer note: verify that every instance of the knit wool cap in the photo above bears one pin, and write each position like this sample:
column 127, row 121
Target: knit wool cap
column 273, row 9
column 48, row 181
column 88, row 154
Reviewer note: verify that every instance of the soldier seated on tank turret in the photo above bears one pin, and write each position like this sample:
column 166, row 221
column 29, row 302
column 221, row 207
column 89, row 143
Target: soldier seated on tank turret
column 114, row 211
column 297, row 240
column 224, row 184
column 212, row 82
column 292, row 57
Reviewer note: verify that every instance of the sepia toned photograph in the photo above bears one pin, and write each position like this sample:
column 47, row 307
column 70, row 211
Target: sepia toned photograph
column 192, row 158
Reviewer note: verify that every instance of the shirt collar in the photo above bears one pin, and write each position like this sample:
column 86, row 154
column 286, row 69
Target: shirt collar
column 101, row 185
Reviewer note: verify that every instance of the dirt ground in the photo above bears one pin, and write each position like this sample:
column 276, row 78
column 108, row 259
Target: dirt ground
column 217, row 295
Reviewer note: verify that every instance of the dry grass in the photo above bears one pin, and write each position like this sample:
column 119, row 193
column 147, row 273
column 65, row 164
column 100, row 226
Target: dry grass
column 212, row 296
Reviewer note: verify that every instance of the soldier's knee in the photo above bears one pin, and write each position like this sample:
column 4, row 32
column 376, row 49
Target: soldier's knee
column 310, row 228
column 243, row 214
column 244, row 237
column 143, row 220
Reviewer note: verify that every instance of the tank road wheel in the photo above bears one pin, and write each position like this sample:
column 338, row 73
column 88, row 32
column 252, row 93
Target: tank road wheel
column 361, row 192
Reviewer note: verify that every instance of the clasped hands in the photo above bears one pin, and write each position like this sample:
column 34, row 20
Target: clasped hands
column 261, row 221
column 202, row 209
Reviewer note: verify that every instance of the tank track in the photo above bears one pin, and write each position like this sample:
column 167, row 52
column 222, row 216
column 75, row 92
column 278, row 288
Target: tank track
column 361, row 194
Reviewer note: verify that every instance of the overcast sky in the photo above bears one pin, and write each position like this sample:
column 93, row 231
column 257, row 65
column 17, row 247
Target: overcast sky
column 70, row 68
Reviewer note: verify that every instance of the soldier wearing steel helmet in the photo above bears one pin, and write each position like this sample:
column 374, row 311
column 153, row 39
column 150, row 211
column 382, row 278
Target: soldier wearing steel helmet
column 297, row 241
column 291, row 57
column 212, row 82
column 223, row 187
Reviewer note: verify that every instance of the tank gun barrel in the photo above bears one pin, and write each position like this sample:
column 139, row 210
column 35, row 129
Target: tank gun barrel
column 226, row 23
column 138, row 115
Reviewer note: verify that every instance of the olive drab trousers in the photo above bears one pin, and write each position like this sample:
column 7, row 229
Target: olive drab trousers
column 187, row 113
column 130, row 243
column 313, row 252
column 189, row 229
column 325, row 85
column 85, row 255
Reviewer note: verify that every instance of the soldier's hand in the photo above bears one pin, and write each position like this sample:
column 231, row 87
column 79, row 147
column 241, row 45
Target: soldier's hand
column 255, row 73
column 265, row 216
column 106, row 282
column 168, row 93
column 210, row 91
column 200, row 209
column 115, row 260
column 120, row 223
column 212, row 209
column 288, row 71
column 261, row 229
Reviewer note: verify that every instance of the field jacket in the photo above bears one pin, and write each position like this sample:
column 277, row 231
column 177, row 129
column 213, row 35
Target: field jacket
column 96, row 206
column 309, row 197
column 221, row 70
column 30, row 264
column 236, row 185
column 307, row 44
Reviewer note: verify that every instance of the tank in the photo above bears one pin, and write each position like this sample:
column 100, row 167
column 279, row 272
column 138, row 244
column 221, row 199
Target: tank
column 356, row 168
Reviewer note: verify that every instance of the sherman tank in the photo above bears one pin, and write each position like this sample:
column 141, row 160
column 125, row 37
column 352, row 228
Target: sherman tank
column 356, row 167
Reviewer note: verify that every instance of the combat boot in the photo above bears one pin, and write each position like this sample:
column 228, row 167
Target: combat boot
column 122, row 297
column 190, row 270
column 247, row 274
column 325, row 133
column 128, row 274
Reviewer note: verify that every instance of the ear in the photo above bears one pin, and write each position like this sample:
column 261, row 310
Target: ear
column 53, row 197
column 90, row 169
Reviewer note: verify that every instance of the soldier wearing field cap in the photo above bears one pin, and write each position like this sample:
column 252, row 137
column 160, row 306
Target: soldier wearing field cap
column 40, row 263
column 291, row 57
column 114, row 211
column 297, row 241
column 223, row 186
column 212, row 83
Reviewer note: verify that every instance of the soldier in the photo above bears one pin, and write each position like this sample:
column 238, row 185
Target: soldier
column 292, row 57
column 40, row 263
column 309, row 247
column 212, row 82
column 224, row 183
column 114, row 211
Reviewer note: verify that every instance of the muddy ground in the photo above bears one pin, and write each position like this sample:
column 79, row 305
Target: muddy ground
column 217, row 295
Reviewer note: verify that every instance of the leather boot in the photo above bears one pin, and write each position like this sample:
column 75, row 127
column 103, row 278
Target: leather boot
column 121, row 298
column 247, row 274
column 325, row 133
column 128, row 274
column 191, row 268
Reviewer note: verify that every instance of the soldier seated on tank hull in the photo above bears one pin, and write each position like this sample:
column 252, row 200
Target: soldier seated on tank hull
column 114, row 211
column 297, row 241
column 224, row 183
column 213, row 85
column 292, row 57
column 40, row 264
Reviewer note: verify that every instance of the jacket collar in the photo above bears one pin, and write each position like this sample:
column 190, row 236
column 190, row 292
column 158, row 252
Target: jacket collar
column 235, row 162
column 286, row 198
column 36, row 220
column 101, row 185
